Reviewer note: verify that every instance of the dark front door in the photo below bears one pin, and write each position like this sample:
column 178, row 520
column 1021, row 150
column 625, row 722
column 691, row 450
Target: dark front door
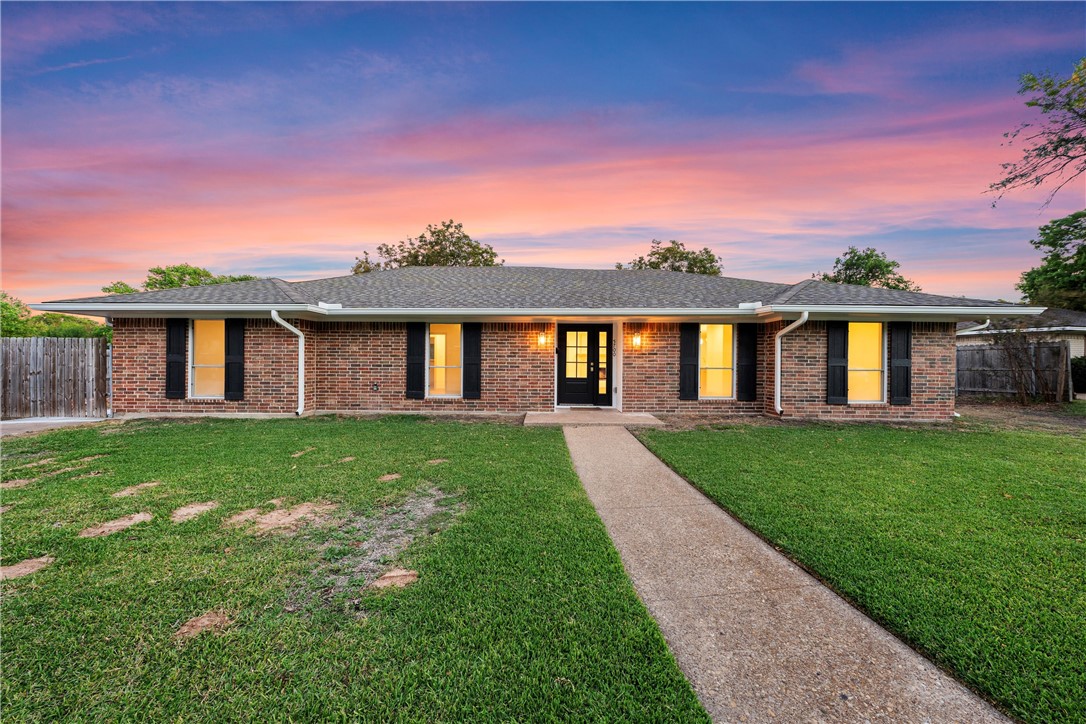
column 584, row 364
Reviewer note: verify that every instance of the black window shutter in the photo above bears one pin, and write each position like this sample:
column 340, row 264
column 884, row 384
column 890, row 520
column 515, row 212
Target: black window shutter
column 416, row 360
column 689, row 337
column 837, row 363
column 901, row 363
column 473, row 360
column 176, row 334
column 235, row 360
column 746, row 362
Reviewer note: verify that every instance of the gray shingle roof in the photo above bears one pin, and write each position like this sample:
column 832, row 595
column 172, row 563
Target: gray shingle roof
column 533, row 288
column 536, row 288
column 258, row 291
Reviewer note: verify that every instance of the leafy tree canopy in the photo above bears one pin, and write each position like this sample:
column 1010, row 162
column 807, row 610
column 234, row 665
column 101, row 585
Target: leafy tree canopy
column 175, row 276
column 444, row 245
column 1055, row 150
column 16, row 321
column 676, row 257
column 869, row 268
column 1060, row 280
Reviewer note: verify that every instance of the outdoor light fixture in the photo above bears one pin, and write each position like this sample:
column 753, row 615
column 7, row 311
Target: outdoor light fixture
column 542, row 339
column 637, row 340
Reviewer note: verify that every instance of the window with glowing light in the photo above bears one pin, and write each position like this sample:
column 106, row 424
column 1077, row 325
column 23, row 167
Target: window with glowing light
column 208, row 378
column 716, row 367
column 445, row 363
column 866, row 362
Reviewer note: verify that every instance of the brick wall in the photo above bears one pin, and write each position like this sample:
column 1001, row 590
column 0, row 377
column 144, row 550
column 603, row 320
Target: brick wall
column 139, row 370
column 362, row 366
column 650, row 374
column 804, row 376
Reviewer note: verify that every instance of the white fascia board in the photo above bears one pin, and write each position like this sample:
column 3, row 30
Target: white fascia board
column 901, row 310
column 1032, row 330
column 127, row 309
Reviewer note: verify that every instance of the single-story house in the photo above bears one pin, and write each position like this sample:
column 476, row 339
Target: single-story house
column 1056, row 325
column 517, row 339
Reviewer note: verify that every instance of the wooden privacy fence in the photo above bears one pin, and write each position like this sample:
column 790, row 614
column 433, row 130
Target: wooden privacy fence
column 1033, row 369
column 54, row 377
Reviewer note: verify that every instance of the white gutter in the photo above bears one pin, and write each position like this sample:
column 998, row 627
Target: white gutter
column 301, row 358
column 905, row 310
column 1030, row 330
column 777, row 360
column 975, row 328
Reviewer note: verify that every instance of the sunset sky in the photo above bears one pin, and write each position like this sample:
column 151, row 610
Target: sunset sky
column 284, row 139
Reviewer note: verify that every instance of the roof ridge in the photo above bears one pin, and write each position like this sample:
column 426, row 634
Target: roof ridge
column 287, row 288
column 792, row 291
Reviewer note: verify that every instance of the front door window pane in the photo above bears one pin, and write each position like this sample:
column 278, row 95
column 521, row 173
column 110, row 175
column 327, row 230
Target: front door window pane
column 576, row 355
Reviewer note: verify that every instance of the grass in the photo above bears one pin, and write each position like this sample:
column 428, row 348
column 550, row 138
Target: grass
column 1074, row 409
column 969, row 544
column 522, row 609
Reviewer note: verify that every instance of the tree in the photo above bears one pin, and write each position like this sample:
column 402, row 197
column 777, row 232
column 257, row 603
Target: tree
column 1060, row 280
column 869, row 268
column 186, row 275
column 444, row 245
column 119, row 288
column 676, row 257
column 1056, row 150
column 16, row 321
column 175, row 276
column 14, row 316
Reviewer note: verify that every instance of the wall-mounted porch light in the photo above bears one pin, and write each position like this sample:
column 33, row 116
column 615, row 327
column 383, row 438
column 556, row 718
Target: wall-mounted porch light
column 637, row 340
column 542, row 339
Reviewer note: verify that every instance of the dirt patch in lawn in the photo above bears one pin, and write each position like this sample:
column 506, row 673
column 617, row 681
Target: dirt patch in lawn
column 134, row 489
column 25, row 568
column 396, row 578
column 364, row 546
column 389, row 478
column 5, row 508
column 281, row 520
column 193, row 510
column 1007, row 415
column 302, row 452
column 17, row 483
column 214, row 621
column 114, row 526
column 437, row 461
column 36, row 463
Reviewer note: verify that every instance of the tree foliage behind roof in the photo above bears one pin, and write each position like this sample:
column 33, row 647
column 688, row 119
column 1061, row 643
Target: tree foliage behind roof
column 444, row 245
column 175, row 277
column 16, row 321
column 1060, row 280
column 676, row 257
column 869, row 268
column 1055, row 150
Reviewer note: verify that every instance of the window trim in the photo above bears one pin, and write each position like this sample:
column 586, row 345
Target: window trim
column 884, row 386
column 735, row 351
column 426, row 388
column 190, row 387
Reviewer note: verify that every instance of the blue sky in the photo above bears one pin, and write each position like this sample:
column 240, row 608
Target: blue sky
column 284, row 139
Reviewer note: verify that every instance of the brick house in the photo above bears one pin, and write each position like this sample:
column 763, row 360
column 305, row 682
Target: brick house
column 518, row 339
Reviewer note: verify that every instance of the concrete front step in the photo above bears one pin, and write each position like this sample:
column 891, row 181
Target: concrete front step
column 592, row 416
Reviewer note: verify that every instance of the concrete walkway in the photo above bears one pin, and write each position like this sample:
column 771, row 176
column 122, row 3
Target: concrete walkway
column 591, row 416
column 30, row 425
column 759, row 638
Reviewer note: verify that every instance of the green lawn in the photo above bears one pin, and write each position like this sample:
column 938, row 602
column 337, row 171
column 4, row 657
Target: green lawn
column 969, row 544
column 522, row 609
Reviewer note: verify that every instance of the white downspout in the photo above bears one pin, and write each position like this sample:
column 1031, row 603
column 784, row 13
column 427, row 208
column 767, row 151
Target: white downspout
column 301, row 358
column 977, row 328
column 777, row 360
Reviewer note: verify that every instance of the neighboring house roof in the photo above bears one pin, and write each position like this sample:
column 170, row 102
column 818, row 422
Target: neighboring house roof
column 1050, row 320
column 532, row 290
